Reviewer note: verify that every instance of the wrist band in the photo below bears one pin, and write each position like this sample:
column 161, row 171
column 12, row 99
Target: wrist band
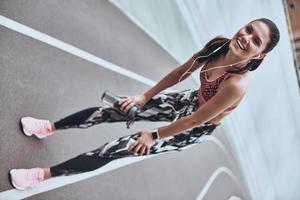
column 155, row 134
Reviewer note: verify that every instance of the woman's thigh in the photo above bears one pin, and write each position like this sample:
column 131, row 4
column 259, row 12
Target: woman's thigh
column 169, row 106
column 119, row 148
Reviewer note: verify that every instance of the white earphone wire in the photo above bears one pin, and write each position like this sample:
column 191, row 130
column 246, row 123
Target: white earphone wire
column 220, row 66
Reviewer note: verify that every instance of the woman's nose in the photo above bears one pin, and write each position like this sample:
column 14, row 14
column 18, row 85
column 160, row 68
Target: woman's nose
column 246, row 39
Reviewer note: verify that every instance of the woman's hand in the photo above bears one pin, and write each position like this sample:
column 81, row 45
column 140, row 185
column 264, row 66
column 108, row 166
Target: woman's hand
column 143, row 143
column 129, row 101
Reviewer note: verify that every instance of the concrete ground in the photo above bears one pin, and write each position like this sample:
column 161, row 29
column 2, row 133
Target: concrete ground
column 42, row 81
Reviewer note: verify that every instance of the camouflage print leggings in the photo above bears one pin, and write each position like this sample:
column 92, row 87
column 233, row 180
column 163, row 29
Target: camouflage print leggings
column 162, row 107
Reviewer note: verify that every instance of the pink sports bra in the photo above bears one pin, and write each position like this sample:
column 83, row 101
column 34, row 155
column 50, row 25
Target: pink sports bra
column 209, row 88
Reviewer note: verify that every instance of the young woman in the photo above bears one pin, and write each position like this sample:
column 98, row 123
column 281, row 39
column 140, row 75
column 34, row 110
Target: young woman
column 226, row 65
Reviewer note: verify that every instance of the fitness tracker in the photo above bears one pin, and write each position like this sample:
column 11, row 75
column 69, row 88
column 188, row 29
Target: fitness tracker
column 155, row 134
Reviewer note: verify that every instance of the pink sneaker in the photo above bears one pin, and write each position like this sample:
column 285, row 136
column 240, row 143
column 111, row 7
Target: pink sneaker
column 23, row 179
column 38, row 127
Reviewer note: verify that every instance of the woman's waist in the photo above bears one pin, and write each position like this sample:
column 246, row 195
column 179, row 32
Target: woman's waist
column 202, row 100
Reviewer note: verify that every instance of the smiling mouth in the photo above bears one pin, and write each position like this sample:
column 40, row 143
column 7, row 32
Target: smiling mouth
column 240, row 44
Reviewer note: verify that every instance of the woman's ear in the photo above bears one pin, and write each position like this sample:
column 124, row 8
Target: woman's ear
column 260, row 56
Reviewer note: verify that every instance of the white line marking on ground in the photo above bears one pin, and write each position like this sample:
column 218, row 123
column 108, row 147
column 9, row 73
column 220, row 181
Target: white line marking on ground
column 57, row 182
column 18, row 27
column 235, row 198
column 214, row 176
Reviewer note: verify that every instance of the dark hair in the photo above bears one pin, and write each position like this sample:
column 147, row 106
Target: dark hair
column 217, row 42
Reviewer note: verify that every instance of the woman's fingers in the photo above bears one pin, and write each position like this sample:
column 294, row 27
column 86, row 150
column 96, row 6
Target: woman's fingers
column 125, row 103
column 128, row 107
column 123, row 99
column 139, row 146
column 128, row 102
column 143, row 150
column 136, row 148
column 132, row 146
column 148, row 151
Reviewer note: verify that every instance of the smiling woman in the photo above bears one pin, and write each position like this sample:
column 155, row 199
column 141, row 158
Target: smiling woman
column 191, row 113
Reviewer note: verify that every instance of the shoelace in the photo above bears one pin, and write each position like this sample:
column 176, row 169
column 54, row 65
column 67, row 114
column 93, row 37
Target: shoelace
column 44, row 126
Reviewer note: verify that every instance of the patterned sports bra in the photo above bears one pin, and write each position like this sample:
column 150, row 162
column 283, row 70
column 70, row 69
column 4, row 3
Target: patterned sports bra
column 209, row 88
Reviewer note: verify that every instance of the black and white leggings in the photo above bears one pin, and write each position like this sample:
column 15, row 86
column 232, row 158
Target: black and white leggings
column 162, row 107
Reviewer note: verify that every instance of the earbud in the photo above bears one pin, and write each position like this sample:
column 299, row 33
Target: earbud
column 256, row 57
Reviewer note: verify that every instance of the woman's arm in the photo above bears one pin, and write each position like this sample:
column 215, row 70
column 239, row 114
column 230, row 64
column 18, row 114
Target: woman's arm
column 172, row 78
column 227, row 95
column 224, row 98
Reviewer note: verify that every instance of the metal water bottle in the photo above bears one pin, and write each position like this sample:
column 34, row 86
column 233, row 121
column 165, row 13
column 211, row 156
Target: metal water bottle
column 112, row 100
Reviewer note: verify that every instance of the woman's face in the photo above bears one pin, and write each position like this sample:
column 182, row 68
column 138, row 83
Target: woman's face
column 250, row 41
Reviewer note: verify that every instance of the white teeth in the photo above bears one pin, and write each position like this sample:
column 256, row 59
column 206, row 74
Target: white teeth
column 240, row 44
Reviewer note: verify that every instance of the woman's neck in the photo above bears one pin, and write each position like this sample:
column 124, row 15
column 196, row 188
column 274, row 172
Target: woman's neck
column 230, row 59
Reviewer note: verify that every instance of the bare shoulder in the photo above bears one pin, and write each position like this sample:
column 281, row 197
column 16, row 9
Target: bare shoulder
column 237, row 83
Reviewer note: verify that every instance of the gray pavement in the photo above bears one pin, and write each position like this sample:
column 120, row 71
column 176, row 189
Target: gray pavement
column 42, row 81
column 97, row 27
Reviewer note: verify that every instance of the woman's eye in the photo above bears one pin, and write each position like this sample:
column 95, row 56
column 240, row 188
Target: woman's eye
column 248, row 30
column 256, row 42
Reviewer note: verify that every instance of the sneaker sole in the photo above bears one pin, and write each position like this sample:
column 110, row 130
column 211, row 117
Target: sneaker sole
column 12, row 183
column 22, row 127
